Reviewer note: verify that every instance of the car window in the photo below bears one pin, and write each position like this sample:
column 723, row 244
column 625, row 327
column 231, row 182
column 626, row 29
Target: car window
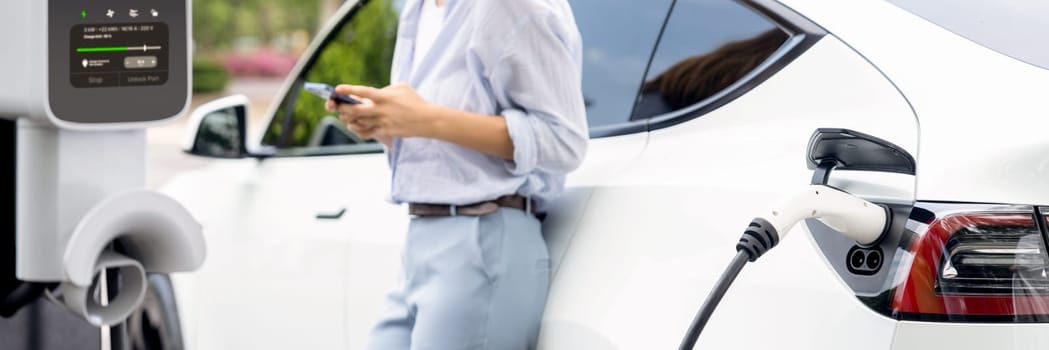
column 618, row 39
column 359, row 51
column 707, row 46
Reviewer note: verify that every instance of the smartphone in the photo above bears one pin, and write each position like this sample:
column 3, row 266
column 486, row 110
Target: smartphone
column 327, row 92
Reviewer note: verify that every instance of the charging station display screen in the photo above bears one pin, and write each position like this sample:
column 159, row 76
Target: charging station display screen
column 117, row 61
column 127, row 54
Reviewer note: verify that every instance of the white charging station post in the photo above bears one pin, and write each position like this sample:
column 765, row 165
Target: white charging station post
column 82, row 80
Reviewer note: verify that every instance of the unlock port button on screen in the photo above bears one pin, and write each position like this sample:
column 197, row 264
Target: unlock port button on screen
column 140, row 62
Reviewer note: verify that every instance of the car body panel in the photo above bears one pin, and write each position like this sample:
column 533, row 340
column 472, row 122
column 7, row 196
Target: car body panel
column 656, row 236
column 970, row 100
column 926, row 335
column 608, row 155
column 290, row 271
column 282, row 268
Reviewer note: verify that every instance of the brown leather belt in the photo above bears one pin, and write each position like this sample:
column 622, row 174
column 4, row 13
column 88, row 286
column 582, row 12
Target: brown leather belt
column 476, row 209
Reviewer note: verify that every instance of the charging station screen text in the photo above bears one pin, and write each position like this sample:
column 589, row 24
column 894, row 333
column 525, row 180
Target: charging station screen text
column 116, row 55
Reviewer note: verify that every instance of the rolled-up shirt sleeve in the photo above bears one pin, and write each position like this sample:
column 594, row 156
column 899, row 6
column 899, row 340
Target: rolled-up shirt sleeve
column 537, row 80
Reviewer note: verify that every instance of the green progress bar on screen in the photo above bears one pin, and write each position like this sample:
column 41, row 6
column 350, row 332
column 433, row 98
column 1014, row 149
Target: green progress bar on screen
column 102, row 49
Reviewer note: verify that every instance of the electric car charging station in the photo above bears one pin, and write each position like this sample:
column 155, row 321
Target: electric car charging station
column 80, row 88
column 902, row 150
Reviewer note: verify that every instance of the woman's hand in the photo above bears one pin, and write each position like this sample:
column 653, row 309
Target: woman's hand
column 398, row 111
column 357, row 126
column 394, row 111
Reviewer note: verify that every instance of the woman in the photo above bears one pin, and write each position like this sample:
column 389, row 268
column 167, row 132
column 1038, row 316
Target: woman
column 483, row 121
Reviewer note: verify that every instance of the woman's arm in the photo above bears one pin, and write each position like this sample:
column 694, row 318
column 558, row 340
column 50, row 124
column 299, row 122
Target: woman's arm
column 483, row 133
column 398, row 111
column 535, row 78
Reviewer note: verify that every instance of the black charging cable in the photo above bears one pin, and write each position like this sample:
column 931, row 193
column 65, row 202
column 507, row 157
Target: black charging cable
column 23, row 294
column 759, row 237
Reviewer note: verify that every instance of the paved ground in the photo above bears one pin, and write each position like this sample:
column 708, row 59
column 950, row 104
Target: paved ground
column 164, row 157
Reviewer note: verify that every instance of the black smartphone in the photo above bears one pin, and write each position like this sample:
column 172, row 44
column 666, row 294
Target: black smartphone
column 327, row 92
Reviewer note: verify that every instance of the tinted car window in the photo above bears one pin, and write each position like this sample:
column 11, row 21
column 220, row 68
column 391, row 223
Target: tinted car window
column 707, row 46
column 618, row 39
column 360, row 51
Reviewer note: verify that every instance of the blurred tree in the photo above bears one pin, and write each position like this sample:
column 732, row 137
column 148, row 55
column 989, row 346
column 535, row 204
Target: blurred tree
column 209, row 76
column 212, row 24
column 219, row 23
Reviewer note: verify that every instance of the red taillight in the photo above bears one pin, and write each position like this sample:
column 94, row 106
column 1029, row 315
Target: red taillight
column 977, row 264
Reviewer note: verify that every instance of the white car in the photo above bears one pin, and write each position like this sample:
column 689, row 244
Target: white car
column 701, row 115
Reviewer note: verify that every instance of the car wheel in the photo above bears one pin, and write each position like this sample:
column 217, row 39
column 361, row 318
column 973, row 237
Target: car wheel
column 155, row 326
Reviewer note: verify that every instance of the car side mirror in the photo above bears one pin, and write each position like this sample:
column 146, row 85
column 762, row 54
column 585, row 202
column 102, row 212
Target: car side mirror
column 844, row 149
column 217, row 129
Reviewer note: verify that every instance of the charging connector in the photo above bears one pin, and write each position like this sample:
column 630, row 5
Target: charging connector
column 853, row 217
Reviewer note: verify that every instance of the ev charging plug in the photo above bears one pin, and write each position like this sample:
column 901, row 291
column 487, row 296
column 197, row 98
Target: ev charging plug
column 862, row 221
column 853, row 217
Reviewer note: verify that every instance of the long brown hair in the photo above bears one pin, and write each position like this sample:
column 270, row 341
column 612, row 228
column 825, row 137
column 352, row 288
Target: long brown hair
column 699, row 77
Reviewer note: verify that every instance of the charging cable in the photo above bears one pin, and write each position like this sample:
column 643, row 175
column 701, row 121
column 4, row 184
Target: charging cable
column 853, row 217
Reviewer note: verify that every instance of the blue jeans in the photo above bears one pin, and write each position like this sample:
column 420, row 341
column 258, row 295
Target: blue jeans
column 468, row 282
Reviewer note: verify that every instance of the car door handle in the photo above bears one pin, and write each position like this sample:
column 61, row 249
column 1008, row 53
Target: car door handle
column 331, row 215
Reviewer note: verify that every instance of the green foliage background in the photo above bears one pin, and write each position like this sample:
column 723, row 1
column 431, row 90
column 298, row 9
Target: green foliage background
column 361, row 53
column 208, row 76
column 217, row 23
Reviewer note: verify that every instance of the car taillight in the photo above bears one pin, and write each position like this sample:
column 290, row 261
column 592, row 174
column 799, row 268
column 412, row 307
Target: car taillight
column 977, row 266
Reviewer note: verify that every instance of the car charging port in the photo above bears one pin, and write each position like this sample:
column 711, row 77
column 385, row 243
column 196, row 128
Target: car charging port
column 855, row 218
column 851, row 216
column 864, row 261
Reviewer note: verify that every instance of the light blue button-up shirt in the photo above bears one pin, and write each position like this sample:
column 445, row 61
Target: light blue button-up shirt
column 521, row 59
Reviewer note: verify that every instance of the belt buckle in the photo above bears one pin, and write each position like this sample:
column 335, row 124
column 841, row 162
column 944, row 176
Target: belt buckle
column 478, row 209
